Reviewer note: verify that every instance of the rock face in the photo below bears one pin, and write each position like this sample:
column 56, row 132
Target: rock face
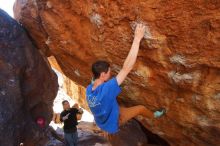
column 178, row 65
column 132, row 134
column 27, row 87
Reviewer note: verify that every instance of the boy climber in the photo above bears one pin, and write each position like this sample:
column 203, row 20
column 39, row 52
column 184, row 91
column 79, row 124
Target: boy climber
column 102, row 93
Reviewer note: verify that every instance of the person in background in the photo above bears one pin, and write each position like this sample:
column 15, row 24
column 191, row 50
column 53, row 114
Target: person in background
column 70, row 117
column 102, row 93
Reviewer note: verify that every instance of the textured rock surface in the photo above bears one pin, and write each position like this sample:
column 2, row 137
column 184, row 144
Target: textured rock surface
column 132, row 134
column 74, row 90
column 90, row 135
column 27, row 87
column 178, row 65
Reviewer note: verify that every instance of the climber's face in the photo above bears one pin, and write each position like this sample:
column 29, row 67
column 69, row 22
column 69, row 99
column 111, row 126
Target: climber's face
column 66, row 105
column 105, row 76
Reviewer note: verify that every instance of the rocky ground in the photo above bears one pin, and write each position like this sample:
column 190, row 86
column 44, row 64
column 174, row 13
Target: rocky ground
column 88, row 134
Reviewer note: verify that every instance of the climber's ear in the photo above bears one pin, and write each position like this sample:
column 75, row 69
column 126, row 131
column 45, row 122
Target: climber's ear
column 102, row 75
column 105, row 76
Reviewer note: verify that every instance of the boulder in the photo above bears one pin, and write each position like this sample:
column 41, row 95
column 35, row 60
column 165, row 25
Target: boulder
column 27, row 87
column 178, row 66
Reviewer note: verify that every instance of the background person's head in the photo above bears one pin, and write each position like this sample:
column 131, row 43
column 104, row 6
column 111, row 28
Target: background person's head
column 66, row 105
column 101, row 70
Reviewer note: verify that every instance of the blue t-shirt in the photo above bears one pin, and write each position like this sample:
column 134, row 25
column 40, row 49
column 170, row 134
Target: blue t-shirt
column 104, row 106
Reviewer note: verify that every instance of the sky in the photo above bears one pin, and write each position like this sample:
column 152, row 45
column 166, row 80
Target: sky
column 7, row 5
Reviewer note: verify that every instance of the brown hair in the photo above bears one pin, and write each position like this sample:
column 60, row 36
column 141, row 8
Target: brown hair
column 98, row 67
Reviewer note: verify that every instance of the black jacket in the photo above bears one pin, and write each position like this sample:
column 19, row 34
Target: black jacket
column 71, row 122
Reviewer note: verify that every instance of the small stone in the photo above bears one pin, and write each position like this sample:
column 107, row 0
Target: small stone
column 181, row 100
column 177, row 77
column 178, row 59
column 3, row 92
column 217, row 96
column 77, row 72
column 49, row 4
column 48, row 41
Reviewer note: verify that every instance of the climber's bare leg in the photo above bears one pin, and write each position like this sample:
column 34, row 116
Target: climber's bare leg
column 128, row 113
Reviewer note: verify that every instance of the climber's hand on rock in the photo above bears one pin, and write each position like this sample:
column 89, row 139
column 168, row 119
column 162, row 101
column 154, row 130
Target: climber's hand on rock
column 139, row 31
column 66, row 117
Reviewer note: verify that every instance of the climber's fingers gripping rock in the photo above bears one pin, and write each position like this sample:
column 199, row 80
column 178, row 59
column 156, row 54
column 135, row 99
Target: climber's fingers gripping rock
column 139, row 31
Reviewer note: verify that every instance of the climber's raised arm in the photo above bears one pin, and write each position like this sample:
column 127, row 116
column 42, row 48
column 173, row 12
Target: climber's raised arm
column 132, row 56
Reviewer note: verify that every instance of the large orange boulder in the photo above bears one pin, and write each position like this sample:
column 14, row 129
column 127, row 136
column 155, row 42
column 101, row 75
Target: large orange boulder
column 178, row 66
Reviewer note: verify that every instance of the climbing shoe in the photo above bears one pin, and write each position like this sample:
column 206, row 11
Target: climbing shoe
column 159, row 113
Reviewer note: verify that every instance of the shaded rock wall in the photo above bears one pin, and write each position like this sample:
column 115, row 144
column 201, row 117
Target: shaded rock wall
column 132, row 134
column 178, row 65
column 74, row 90
column 27, row 87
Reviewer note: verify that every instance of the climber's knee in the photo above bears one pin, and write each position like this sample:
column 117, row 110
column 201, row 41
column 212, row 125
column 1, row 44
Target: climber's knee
column 141, row 109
